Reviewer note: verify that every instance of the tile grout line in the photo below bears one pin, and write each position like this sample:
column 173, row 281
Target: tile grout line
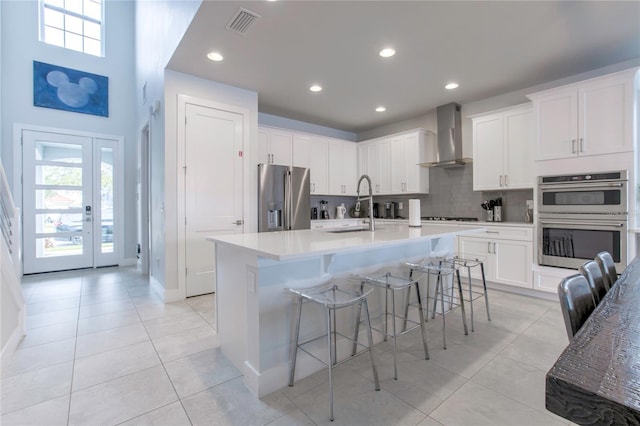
column 75, row 348
column 164, row 368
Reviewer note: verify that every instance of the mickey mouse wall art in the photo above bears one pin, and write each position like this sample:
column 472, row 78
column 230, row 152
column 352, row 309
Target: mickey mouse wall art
column 70, row 90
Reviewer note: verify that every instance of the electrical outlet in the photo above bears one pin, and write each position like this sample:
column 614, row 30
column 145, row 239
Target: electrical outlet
column 530, row 204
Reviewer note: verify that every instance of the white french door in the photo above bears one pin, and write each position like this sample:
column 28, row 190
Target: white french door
column 68, row 201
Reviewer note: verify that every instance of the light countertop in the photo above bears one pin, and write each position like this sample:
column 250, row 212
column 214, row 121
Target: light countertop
column 285, row 245
column 330, row 222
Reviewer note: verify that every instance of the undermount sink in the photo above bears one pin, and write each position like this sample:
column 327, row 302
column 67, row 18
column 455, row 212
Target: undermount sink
column 350, row 229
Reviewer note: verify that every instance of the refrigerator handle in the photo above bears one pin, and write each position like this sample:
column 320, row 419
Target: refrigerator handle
column 287, row 201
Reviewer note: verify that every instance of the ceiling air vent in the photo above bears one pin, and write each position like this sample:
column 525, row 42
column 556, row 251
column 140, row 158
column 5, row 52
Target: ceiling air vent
column 242, row 20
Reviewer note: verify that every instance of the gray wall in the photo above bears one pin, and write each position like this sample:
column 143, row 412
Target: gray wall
column 301, row 126
column 20, row 47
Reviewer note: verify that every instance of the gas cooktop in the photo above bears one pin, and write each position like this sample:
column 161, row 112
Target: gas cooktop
column 456, row 219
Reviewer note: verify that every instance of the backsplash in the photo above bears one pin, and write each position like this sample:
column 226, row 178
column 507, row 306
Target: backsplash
column 450, row 194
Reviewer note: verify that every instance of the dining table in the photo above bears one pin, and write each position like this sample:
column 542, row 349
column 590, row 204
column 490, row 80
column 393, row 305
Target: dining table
column 596, row 379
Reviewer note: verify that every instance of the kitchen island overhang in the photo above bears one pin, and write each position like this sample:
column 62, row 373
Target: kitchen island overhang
column 254, row 271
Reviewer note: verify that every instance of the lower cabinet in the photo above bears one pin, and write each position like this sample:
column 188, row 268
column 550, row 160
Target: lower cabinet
column 507, row 252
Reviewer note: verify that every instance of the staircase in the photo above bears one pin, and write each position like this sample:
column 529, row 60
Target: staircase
column 12, row 306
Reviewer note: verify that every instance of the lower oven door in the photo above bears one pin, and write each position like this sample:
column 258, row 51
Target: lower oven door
column 568, row 243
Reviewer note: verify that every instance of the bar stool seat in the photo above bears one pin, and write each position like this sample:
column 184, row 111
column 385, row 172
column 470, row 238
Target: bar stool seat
column 395, row 280
column 442, row 268
column 332, row 295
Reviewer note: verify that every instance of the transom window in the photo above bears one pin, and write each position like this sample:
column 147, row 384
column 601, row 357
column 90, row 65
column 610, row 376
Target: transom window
column 73, row 24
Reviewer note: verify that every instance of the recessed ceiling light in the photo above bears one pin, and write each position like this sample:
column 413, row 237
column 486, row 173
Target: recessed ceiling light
column 451, row 86
column 387, row 52
column 381, row 109
column 315, row 88
column 214, row 56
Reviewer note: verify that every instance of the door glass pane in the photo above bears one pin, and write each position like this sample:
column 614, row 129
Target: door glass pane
column 59, row 246
column 58, row 199
column 58, row 175
column 62, row 152
column 68, row 238
column 106, row 199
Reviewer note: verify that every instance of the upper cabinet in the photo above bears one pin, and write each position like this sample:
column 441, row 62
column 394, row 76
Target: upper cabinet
column 392, row 162
column 407, row 150
column 343, row 163
column 319, row 165
column 373, row 159
column 593, row 117
column 502, row 147
column 274, row 146
column 301, row 150
column 332, row 163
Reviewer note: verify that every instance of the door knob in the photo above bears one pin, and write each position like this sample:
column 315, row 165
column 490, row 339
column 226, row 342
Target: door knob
column 237, row 222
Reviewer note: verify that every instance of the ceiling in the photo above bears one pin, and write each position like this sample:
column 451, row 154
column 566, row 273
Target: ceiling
column 489, row 48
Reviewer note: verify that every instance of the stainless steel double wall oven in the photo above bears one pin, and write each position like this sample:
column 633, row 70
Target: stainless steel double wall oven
column 580, row 216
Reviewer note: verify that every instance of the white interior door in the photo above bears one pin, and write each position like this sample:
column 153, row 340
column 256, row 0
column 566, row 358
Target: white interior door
column 213, row 189
column 68, row 201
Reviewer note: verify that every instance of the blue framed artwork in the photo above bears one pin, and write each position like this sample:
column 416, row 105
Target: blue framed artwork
column 70, row 90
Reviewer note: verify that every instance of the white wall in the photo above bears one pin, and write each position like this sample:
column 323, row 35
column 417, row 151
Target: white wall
column 183, row 84
column 159, row 27
column 20, row 47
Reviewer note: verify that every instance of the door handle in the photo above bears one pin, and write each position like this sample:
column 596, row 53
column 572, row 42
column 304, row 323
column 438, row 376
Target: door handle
column 573, row 146
column 238, row 222
column 581, row 144
column 500, row 180
column 505, row 180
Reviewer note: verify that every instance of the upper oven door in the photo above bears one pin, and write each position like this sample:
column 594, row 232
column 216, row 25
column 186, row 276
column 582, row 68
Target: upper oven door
column 600, row 198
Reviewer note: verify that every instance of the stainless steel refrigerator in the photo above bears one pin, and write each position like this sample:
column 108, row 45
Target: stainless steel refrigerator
column 283, row 198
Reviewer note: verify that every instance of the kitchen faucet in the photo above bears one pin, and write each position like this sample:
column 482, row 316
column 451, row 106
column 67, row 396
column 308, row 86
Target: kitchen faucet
column 372, row 226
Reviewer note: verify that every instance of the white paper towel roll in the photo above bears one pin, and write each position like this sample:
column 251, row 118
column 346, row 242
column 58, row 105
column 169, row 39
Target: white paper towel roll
column 414, row 212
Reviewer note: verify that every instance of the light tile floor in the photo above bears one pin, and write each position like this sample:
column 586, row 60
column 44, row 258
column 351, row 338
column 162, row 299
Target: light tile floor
column 102, row 349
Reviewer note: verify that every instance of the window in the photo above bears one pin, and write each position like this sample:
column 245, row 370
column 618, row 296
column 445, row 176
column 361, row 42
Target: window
column 73, row 24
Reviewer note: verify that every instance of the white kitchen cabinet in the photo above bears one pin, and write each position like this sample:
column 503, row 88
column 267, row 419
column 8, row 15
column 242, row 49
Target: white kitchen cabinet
column 343, row 163
column 301, row 150
column 593, row 117
column 508, row 253
column 383, row 152
column 392, row 162
column 370, row 154
column 319, row 165
column 502, row 146
column 407, row 151
column 274, row 146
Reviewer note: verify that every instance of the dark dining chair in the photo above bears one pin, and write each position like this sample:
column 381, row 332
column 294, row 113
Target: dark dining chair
column 608, row 267
column 592, row 272
column 576, row 302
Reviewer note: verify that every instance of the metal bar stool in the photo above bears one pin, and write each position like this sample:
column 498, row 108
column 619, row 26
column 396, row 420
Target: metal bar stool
column 442, row 268
column 471, row 261
column 331, row 297
column 393, row 282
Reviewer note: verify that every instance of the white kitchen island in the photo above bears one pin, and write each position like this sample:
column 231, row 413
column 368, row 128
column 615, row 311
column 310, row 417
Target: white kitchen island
column 254, row 271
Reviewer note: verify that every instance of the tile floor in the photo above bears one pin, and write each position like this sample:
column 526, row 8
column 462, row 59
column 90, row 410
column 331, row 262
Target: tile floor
column 102, row 349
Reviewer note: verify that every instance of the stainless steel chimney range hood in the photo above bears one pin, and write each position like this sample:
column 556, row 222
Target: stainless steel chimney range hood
column 449, row 146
